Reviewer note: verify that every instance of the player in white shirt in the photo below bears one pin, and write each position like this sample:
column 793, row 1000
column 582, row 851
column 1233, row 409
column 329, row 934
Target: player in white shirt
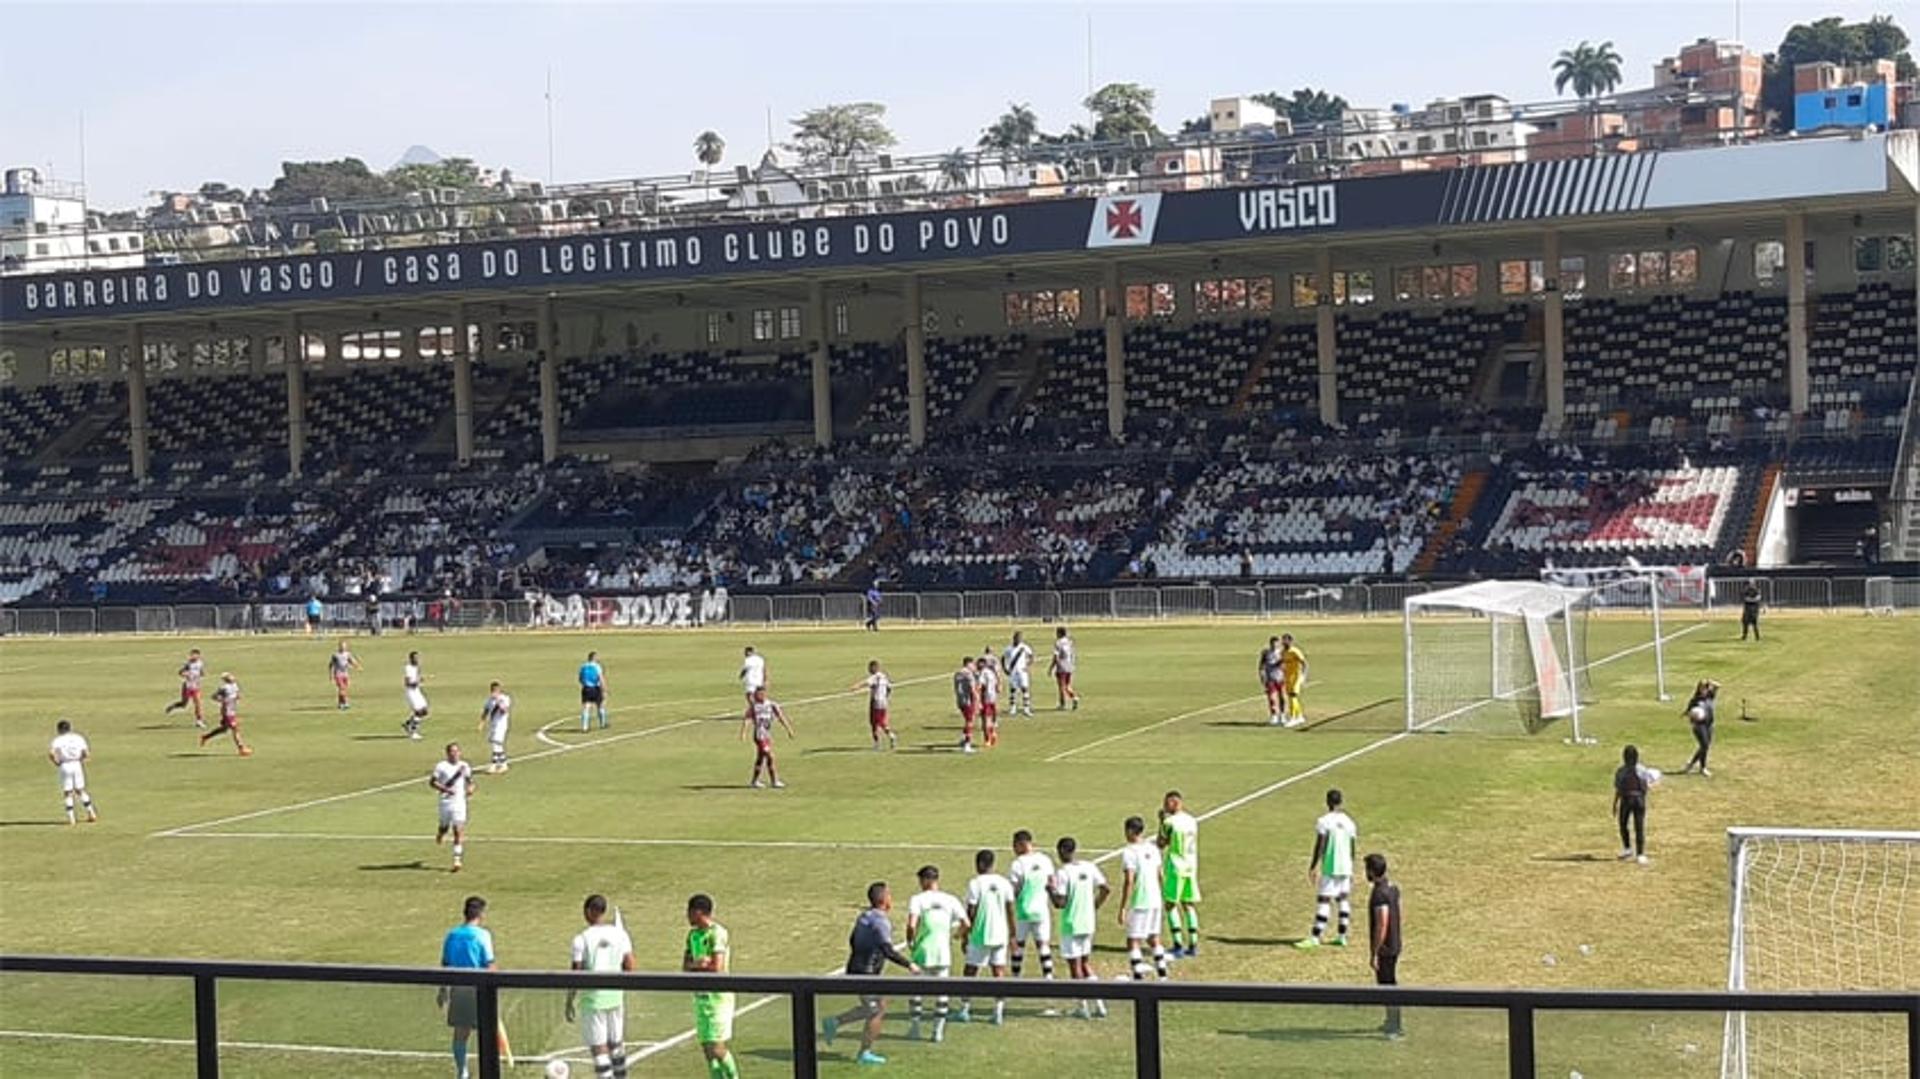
column 753, row 672
column 1031, row 874
column 496, row 715
column 1144, row 907
column 1079, row 888
column 416, row 687
column 1065, row 658
column 603, row 947
column 1017, row 661
column 990, row 909
column 879, row 689
column 452, row 779
column 227, row 697
column 933, row 917
column 69, row 753
column 1331, row 870
column 989, row 680
column 760, row 716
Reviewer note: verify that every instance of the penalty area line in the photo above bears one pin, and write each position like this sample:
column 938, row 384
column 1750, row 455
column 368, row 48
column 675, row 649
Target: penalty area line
column 1156, row 725
column 600, row 841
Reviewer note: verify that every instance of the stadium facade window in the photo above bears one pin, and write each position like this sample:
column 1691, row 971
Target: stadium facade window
column 1357, row 285
column 1653, row 269
column 133, row 243
column 274, row 352
column 1260, row 294
column 763, row 326
column 1683, row 267
column 1869, row 254
column 1406, row 284
column 789, row 323
column 1043, row 307
column 1232, row 294
column 842, row 323
column 1166, row 302
column 716, row 327
column 40, row 249
column 1900, row 252
column 9, row 367
column 1464, row 280
column 1621, row 274
column 1515, row 276
column 1434, row 282
column 1306, row 291
column 1573, row 276
column 1769, row 261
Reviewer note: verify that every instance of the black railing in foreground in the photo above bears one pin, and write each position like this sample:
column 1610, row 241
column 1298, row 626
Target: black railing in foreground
column 1520, row 1005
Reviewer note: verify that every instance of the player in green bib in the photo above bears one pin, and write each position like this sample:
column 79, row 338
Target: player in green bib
column 1330, row 869
column 709, row 951
column 1180, row 842
column 1078, row 889
column 933, row 916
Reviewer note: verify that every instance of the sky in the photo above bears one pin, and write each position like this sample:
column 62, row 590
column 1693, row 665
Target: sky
column 171, row 95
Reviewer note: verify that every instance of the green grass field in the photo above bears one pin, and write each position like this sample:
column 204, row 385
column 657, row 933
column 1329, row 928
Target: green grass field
column 319, row 847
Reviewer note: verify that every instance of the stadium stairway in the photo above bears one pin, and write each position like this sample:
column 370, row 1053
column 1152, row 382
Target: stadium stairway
column 1257, row 370
column 1459, row 513
column 89, row 426
column 1757, row 519
column 1020, row 377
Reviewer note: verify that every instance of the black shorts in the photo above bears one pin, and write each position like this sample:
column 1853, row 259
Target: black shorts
column 463, row 1007
column 1388, row 972
column 313, row 619
column 592, row 694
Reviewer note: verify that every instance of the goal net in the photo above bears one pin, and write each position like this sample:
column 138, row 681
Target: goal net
column 1481, row 654
column 1812, row 910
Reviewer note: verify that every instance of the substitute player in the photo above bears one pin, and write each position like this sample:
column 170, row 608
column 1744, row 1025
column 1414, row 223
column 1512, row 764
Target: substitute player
column 1031, row 874
column 227, row 696
column 753, row 672
column 603, row 947
column 990, row 910
column 496, row 715
column 1293, row 679
column 593, row 691
column 1331, row 870
column 415, row 684
column 1180, row 843
column 966, row 698
column 710, row 951
column 1017, row 661
column 933, row 916
column 1273, row 683
column 452, row 779
column 761, row 715
column 340, row 666
column 1078, row 890
column 191, row 672
column 989, row 680
column 879, row 694
column 1065, row 657
column 70, row 753
column 1145, row 905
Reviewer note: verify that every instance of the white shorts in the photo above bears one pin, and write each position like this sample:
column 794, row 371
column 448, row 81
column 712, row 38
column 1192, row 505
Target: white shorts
column 995, row 956
column 1041, row 931
column 1334, row 887
column 1142, row 924
column 749, row 687
column 72, row 777
column 936, row 972
column 603, row 1026
column 1019, row 681
column 497, row 732
column 1076, row 946
column 417, row 700
column 453, row 816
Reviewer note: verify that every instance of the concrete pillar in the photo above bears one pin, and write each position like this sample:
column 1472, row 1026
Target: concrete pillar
column 1116, row 353
column 1555, row 331
column 256, row 354
column 462, row 387
column 916, row 334
column 549, row 383
column 822, row 365
column 137, row 398
column 337, row 351
column 1326, row 337
column 1797, row 313
column 296, row 394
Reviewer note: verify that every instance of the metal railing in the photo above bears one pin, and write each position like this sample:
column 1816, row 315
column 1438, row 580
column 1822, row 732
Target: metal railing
column 1253, row 599
column 1519, row 1005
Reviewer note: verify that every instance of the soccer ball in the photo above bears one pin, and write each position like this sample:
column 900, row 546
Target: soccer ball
column 558, row 1069
column 1697, row 713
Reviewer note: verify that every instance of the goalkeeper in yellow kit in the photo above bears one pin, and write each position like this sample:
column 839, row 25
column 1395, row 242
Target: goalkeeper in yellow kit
column 1293, row 678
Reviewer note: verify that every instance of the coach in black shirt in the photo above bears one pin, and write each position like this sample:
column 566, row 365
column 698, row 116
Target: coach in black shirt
column 1750, row 611
column 1383, row 936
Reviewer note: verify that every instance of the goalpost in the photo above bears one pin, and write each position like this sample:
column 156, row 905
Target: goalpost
column 1481, row 651
column 1817, row 909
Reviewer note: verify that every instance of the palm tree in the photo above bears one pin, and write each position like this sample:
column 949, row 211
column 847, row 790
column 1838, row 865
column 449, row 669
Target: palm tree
column 1014, row 130
column 955, row 168
column 1592, row 70
column 708, row 149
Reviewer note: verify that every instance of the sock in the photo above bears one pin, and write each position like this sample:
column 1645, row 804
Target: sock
column 584, row 712
column 460, row 1055
column 1019, row 956
column 458, row 850
column 940, row 1012
column 729, row 1069
column 1160, row 961
column 1135, row 964
column 603, row 715
column 1046, row 962
column 714, row 1069
column 603, row 1066
column 999, row 1011
column 1193, row 929
column 619, row 1062
column 1174, row 928
column 913, row 1008
column 86, row 800
column 69, row 801
column 1346, row 914
column 1320, row 913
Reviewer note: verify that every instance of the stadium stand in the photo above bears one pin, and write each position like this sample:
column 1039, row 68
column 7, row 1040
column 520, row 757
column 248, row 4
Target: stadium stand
column 31, row 418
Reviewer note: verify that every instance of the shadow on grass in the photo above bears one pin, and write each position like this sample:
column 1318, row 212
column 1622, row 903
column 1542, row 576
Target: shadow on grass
column 30, row 823
column 1256, row 942
column 400, row 737
column 1582, row 857
column 166, row 727
column 714, row 787
column 836, row 749
column 1305, row 1034
column 387, row 867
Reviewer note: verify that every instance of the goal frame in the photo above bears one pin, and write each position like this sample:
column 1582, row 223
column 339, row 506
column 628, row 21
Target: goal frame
column 1485, row 598
column 1733, row 1053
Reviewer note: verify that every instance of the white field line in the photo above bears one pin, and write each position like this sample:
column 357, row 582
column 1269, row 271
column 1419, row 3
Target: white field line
column 188, row 1043
column 1156, row 725
column 569, row 747
column 603, row 841
column 687, row 1035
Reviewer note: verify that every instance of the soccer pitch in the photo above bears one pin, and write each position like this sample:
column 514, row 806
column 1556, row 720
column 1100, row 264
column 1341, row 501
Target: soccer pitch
column 320, row 847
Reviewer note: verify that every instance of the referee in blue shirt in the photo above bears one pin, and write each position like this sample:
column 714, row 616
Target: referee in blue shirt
column 593, row 690
column 468, row 946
